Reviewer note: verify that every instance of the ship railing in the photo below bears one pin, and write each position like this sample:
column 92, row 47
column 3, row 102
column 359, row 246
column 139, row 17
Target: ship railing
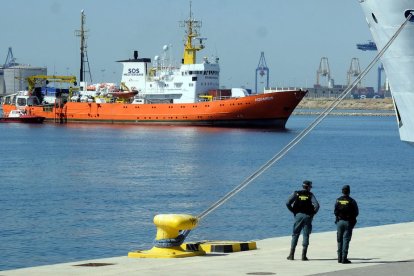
column 221, row 98
column 281, row 89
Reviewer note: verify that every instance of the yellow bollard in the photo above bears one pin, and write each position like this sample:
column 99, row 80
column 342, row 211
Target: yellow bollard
column 168, row 240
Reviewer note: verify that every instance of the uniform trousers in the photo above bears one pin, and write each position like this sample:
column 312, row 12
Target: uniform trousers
column 344, row 235
column 302, row 222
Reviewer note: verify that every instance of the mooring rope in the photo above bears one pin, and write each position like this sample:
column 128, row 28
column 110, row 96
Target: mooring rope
column 304, row 132
column 167, row 243
column 183, row 234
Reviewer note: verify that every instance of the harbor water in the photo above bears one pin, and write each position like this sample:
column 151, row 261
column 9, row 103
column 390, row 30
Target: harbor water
column 81, row 191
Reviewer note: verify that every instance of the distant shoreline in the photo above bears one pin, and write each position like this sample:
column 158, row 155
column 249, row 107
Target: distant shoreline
column 371, row 107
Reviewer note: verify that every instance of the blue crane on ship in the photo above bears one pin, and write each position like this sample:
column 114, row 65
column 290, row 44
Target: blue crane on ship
column 371, row 46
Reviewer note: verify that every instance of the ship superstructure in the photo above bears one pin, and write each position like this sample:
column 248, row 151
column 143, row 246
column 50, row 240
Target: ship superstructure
column 160, row 82
column 384, row 18
column 164, row 82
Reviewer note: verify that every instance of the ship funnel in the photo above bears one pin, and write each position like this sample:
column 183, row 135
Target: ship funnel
column 135, row 54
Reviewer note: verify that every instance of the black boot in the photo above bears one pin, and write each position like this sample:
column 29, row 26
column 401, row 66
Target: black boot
column 339, row 252
column 304, row 251
column 345, row 259
column 291, row 254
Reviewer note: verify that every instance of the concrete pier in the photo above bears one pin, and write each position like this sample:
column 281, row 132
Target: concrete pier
column 380, row 250
column 336, row 113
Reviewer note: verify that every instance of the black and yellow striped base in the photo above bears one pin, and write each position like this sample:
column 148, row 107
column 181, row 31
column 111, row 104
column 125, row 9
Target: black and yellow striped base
column 220, row 246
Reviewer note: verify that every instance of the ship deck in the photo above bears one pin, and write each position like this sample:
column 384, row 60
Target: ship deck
column 380, row 250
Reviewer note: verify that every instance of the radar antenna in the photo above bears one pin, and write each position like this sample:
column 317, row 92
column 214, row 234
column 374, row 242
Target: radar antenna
column 192, row 32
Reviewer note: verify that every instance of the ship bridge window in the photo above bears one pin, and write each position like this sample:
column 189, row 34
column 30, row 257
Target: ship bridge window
column 375, row 18
column 21, row 101
column 32, row 101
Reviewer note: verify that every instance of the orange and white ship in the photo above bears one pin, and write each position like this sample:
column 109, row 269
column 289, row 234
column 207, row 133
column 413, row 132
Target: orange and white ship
column 161, row 93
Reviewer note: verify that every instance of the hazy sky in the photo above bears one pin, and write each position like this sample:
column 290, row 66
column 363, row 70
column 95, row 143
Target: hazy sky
column 294, row 34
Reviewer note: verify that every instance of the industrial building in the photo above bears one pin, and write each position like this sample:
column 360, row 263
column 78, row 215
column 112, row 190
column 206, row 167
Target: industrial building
column 13, row 75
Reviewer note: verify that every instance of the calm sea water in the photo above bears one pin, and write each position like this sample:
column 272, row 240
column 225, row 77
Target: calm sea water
column 75, row 192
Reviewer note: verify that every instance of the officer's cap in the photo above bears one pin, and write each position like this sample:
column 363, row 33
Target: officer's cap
column 346, row 189
column 307, row 183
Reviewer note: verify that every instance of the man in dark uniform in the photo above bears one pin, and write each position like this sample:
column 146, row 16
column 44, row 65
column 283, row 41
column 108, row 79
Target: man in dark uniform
column 304, row 206
column 346, row 212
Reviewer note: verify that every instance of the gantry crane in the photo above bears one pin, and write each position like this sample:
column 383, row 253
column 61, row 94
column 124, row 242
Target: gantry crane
column 262, row 71
column 354, row 71
column 323, row 71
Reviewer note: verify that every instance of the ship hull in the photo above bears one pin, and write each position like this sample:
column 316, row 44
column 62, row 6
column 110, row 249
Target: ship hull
column 270, row 110
column 384, row 17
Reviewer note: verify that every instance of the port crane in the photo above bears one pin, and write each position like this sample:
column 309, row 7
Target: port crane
column 262, row 71
column 10, row 59
column 354, row 71
column 323, row 71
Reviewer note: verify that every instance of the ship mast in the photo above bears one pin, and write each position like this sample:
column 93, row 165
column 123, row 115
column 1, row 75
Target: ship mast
column 83, row 50
column 192, row 31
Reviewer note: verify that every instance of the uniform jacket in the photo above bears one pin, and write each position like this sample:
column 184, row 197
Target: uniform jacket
column 303, row 202
column 346, row 208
